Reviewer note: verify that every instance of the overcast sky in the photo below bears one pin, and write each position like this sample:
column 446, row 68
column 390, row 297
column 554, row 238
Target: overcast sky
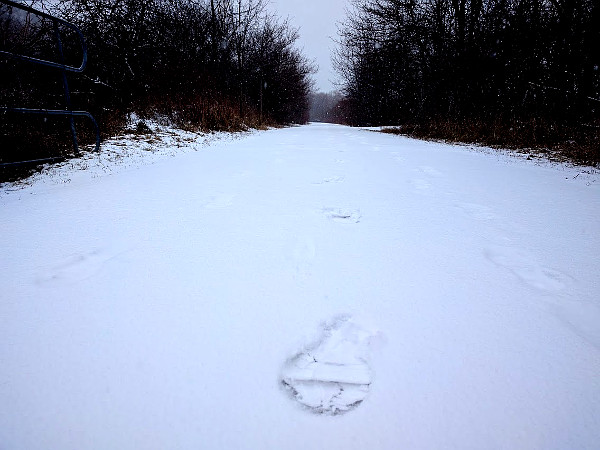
column 317, row 22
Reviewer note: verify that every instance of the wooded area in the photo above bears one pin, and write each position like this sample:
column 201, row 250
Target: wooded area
column 510, row 73
column 202, row 64
column 505, row 72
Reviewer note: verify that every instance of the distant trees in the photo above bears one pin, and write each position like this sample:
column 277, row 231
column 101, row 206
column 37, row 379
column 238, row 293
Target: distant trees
column 417, row 60
column 324, row 106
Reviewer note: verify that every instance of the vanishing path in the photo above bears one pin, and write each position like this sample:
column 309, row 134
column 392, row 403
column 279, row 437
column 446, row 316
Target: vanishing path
column 436, row 297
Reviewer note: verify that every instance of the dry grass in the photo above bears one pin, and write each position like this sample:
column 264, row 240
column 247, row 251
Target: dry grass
column 202, row 113
column 579, row 144
column 26, row 137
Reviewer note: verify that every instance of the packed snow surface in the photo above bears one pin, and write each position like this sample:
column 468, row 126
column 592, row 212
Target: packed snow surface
column 301, row 288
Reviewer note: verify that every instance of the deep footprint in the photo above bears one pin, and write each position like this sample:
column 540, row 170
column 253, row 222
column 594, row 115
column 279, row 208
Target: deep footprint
column 331, row 376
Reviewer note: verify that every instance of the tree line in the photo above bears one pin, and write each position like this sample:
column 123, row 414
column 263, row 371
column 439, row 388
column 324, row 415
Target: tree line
column 205, row 64
column 324, row 106
column 532, row 64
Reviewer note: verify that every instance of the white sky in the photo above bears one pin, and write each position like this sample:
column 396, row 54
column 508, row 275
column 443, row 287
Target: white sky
column 317, row 22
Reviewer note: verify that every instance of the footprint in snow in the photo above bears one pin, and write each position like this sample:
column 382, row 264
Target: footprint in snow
column 331, row 180
column 581, row 317
column 332, row 375
column 303, row 255
column 526, row 268
column 78, row 267
column 343, row 215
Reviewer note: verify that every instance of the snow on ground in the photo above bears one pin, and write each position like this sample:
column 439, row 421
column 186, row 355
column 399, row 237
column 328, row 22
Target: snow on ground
column 130, row 151
column 309, row 287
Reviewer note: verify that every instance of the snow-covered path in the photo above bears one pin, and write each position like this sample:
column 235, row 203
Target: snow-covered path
column 456, row 291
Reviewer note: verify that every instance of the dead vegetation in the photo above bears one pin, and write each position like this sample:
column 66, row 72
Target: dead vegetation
column 577, row 144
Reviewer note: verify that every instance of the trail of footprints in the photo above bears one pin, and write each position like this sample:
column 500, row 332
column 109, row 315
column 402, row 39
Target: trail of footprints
column 339, row 215
column 331, row 375
column 526, row 268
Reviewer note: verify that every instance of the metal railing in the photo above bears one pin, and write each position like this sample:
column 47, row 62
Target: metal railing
column 68, row 111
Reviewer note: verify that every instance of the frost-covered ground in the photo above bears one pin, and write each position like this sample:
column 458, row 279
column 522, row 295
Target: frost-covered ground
column 309, row 287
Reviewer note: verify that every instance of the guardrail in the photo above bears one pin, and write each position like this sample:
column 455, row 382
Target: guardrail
column 68, row 111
